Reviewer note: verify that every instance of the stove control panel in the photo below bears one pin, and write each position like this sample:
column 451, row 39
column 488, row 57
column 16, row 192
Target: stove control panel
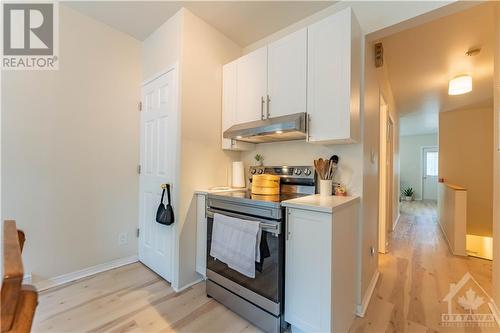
column 304, row 172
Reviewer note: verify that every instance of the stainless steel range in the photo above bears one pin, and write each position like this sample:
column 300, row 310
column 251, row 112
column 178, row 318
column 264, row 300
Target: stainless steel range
column 261, row 299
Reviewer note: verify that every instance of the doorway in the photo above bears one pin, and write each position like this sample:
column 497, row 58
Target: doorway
column 157, row 167
column 386, row 176
column 430, row 160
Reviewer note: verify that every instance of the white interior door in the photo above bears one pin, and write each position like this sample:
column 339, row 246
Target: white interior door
column 430, row 158
column 157, row 166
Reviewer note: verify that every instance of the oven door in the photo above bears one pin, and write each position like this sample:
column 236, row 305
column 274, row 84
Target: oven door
column 269, row 273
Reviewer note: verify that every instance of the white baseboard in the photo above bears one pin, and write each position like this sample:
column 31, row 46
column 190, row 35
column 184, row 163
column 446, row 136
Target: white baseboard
column 178, row 290
column 69, row 277
column 361, row 308
column 397, row 221
column 27, row 278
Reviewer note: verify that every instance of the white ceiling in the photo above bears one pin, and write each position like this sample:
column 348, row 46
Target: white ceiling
column 244, row 22
column 421, row 61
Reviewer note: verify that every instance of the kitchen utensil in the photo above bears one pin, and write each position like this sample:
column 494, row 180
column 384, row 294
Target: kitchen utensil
column 334, row 160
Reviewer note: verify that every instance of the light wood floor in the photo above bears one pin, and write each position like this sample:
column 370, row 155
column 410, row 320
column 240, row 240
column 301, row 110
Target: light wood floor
column 132, row 299
column 415, row 277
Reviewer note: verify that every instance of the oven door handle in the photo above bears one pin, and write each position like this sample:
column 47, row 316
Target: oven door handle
column 274, row 228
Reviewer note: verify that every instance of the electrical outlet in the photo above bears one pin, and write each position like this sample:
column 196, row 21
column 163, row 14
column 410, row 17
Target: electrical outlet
column 122, row 238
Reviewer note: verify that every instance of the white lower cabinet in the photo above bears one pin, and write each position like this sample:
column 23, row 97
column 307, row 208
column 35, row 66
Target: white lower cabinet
column 201, row 234
column 320, row 269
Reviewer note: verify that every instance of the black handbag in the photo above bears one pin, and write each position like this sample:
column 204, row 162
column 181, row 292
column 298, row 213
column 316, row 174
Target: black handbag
column 165, row 215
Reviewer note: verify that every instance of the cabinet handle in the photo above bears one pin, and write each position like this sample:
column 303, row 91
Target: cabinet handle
column 262, row 107
column 267, row 107
column 287, row 227
column 308, row 126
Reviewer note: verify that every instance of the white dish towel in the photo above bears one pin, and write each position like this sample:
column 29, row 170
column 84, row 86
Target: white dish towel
column 236, row 242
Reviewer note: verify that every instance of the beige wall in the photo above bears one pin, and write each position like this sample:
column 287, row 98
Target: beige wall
column 203, row 163
column 496, row 166
column 465, row 146
column 161, row 50
column 370, row 168
column 70, row 150
column 200, row 51
column 384, row 88
column 411, row 160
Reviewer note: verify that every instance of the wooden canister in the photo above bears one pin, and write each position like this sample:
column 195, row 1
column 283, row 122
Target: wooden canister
column 266, row 184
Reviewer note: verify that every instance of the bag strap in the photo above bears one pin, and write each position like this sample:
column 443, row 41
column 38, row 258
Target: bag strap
column 162, row 194
column 168, row 193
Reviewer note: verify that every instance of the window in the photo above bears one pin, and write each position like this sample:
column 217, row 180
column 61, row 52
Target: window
column 431, row 163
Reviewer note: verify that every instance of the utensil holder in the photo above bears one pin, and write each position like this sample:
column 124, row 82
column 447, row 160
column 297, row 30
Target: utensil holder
column 325, row 187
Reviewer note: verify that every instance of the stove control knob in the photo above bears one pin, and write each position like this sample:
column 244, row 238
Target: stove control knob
column 253, row 171
column 298, row 171
column 260, row 172
column 307, row 172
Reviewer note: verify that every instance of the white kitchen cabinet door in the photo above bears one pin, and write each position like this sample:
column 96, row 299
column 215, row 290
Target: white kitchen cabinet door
column 201, row 235
column 308, row 270
column 229, row 93
column 251, row 86
column 333, row 82
column 287, row 77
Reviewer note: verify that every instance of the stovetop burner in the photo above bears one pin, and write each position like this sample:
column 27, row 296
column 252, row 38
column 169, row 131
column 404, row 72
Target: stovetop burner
column 295, row 182
column 247, row 195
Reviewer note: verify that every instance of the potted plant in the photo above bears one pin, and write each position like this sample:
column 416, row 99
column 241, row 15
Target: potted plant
column 408, row 194
column 259, row 159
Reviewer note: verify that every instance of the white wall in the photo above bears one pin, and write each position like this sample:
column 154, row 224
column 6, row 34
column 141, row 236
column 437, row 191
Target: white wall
column 373, row 16
column 303, row 153
column 70, row 148
column 410, row 155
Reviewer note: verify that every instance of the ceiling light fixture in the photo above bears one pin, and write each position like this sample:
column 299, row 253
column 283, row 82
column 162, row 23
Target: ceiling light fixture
column 460, row 85
column 278, row 132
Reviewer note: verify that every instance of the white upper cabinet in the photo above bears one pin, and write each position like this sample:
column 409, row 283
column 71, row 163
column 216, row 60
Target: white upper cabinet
column 287, row 75
column 251, row 86
column 333, row 83
column 315, row 70
column 229, row 91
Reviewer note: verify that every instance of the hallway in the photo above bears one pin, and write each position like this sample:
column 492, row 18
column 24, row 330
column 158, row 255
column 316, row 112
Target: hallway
column 415, row 277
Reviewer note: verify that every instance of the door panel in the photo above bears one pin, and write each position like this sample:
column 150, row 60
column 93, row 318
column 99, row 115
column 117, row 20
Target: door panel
column 430, row 158
column 157, row 164
column 287, row 78
column 251, row 86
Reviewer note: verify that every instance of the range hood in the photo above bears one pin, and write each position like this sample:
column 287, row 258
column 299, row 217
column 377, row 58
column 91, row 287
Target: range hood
column 284, row 128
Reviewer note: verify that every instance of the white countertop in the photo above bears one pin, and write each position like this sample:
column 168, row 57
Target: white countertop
column 217, row 189
column 321, row 204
